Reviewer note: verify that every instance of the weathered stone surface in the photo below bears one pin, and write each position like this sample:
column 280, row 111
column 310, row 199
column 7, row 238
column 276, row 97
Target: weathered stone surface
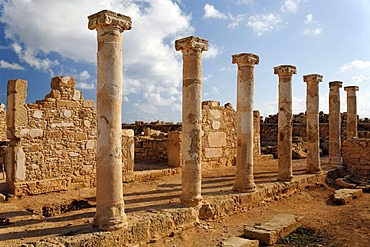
column 351, row 111
column 213, row 152
column 270, row 232
column 344, row 196
column 342, row 183
column 2, row 123
column 239, row 242
column 356, row 157
column 299, row 154
column 334, row 124
column 174, row 149
column 217, row 139
column 2, row 197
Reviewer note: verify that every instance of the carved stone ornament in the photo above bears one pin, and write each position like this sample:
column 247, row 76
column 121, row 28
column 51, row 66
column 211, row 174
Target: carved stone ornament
column 285, row 70
column 191, row 43
column 107, row 18
column 312, row 77
column 245, row 59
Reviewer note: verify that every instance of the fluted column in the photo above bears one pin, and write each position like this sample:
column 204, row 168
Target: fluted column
column 335, row 156
column 244, row 153
column 285, row 170
column 312, row 111
column 192, row 48
column 109, row 25
column 351, row 112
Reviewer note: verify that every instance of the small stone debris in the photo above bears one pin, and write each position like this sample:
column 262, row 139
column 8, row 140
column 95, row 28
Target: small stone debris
column 271, row 231
column 239, row 242
column 344, row 196
column 2, row 198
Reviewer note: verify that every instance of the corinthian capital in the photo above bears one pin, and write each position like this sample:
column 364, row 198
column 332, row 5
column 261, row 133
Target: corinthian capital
column 312, row 77
column 109, row 19
column 245, row 59
column 285, row 70
column 191, row 43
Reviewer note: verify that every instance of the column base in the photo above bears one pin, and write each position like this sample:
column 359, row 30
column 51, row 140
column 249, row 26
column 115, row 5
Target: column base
column 314, row 171
column 192, row 202
column 249, row 188
column 110, row 218
column 335, row 162
column 285, row 179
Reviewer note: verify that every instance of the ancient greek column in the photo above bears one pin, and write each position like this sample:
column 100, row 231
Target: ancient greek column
column 312, row 111
column 244, row 153
column 109, row 25
column 335, row 157
column 191, row 48
column 351, row 112
column 285, row 73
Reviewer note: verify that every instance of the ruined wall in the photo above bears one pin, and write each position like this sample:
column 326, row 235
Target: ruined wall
column 356, row 157
column 219, row 134
column 52, row 142
column 149, row 149
column 2, row 122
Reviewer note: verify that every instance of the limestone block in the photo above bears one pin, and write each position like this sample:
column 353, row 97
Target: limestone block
column 216, row 125
column 62, row 124
column 80, row 136
column 344, row 196
column 87, row 123
column 62, row 82
column 20, row 163
column 76, row 95
column 277, row 227
column 239, row 242
column 217, row 139
column 36, row 133
column 88, row 104
column 37, row 114
column 299, row 154
column 213, row 152
column 216, row 113
column 67, row 103
column 67, row 113
column 24, row 132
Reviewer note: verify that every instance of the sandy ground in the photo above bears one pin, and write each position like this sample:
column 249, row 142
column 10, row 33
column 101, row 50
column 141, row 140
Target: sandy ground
column 347, row 225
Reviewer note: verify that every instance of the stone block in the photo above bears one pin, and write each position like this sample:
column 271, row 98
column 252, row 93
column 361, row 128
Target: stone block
column 271, row 231
column 88, row 104
column 239, row 242
column 344, row 196
column 213, row 152
column 217, row 139
column 62, row 82
column 67, row 103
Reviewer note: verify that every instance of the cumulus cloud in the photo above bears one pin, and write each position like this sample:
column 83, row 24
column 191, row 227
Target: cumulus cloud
column 211, row 12
column 213, row 51
column 308, row 19
column 7, row 65
column 359, row 78
column 290, row 5
column 41, row 28
column 85, row 85
column 263, row 23
column 235, row 21
column 355, row 64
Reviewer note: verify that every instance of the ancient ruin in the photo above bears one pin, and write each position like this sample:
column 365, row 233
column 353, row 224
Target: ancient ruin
column 335, row 157
column 285, row 73
column 351, row 112
column 192, row 48
column 110, row 213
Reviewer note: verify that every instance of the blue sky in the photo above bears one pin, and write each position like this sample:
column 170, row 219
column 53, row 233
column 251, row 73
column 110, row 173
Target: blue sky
column 40, row 39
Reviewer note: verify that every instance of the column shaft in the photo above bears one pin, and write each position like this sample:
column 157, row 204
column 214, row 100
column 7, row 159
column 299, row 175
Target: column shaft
column 351, row 112
column 244, row 154
column 335, row 157
column 312, row 111
column 191, row 48
column 110, row 213
column 285, row 171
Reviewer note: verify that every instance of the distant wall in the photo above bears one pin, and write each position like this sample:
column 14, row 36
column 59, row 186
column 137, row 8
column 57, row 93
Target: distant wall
column 356, row 157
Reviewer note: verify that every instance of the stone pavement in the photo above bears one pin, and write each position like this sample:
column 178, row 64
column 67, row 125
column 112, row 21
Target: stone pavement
column 152, row 206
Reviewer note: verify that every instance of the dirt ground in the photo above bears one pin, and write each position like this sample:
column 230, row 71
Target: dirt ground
column 346, row 225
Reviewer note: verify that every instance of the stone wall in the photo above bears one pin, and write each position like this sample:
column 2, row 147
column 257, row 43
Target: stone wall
column 148, row 149
column 219, row 134
column 2, row 123
column 52, row 142
column 356, row 157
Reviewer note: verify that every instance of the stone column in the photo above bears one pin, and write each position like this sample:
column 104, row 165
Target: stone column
column 285, row 73
column 335, row 157
column 312, row 123
column 244, row 124
column 191, row 48
column 109, row 25
column 351, row 112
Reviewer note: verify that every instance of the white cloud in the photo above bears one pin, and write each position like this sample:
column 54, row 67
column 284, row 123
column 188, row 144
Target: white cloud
column 211, row 12
column 213, row 51
column 359, row 78
column 290, row 5
column 6, row 65
column 40, row 28
column 84, row 75
column 84, row 85
column 235, row 21
column 355, row 64
column 244, row 1
column 314, row 32
column 309, row 18
column 263, row 23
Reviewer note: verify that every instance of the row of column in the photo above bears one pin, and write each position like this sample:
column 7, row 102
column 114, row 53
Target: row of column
column 110, row 213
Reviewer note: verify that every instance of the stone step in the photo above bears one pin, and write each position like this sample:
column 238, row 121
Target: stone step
column 344, row 196
column 271, row 231
column 239, row 242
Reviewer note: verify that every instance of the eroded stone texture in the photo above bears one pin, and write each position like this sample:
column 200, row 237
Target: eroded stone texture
column 174, row 149
column 312, row 111
column 285, row 73
column 109, row 197
column 245, row 95
column 356, row 158
column 192, row 48
column 335, row 157
column 351, row 112
column 2, row 123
